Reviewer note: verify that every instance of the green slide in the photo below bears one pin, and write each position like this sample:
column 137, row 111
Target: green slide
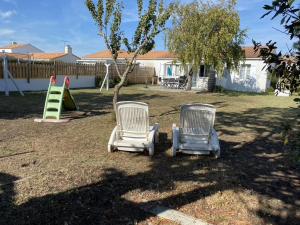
column 58, row 97
column 68, row 101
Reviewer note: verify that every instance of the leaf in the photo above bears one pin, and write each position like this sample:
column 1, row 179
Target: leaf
column 268, row 7
column 265, row 14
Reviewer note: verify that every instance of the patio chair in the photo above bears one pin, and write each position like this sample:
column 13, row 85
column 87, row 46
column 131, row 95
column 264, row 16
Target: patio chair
column 182, row 82
column 196, row 134
column 133, row 132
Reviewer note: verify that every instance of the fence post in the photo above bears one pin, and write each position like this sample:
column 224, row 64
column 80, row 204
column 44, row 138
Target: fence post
column 76, row 68
column 5, row 76
column 28, row 71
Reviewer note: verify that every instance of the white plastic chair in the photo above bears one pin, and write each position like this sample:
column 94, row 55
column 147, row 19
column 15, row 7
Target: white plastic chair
column 133, row 132
column 196, row 134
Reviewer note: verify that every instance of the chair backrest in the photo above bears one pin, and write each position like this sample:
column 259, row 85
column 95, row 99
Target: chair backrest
column 197, row 120
column 132, row 119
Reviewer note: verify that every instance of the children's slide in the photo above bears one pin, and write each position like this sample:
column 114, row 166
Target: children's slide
column 68, row 101
column 58, row 98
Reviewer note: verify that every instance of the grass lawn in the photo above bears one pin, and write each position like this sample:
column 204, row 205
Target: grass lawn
column 63, row 174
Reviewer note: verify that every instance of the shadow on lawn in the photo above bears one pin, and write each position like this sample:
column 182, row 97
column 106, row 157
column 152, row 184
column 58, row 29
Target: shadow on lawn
column 257, row 165
column 32, row 104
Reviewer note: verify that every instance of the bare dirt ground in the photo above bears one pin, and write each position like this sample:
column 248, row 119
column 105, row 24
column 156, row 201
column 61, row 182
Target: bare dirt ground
column 63, row 174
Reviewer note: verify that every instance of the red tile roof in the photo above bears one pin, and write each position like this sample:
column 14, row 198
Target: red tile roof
column 124, row 54
column 16, row 56
column 35, row 56
column 48, row 56
column 13, row 46
column 249, row 53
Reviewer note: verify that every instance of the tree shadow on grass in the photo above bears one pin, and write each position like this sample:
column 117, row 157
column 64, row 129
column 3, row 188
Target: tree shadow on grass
column 32, row 104
column 257, row 165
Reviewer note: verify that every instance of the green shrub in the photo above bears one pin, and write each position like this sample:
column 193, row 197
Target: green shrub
column 219, row 89
column 270, row 90
column 98, row 81
column 274, row 80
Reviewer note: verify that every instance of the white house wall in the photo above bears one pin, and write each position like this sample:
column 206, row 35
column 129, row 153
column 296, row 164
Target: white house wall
column 70, row 58
column 154, row 63
column 42, row 84
column 6, row 50
column 256, row 82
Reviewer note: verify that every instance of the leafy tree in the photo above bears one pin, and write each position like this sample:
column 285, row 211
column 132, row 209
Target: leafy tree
column 206, row 32
column 284, row 66
column 108, row 17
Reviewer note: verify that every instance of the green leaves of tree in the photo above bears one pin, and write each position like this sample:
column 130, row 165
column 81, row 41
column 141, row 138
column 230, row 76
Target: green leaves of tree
column 286, row 67
column 207, row 33
column 151, row 22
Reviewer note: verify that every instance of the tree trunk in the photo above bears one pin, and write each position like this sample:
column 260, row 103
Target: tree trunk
column 116, row 95
column 117, row 90
column 189, row 82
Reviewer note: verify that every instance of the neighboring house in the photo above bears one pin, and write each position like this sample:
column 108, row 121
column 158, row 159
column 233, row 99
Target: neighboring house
column 250, row 77
column 154, row 59
column 66, row 56
column 15, row 56
column 29, row 52
column 14, row 47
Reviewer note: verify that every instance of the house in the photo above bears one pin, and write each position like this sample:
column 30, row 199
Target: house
column 15, row 56
column 14, row 47
column 66, row 56
column 151, row 59
column 250, row 77
column 30, row 52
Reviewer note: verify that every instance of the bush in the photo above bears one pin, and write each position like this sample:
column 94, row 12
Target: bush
column 98, row 81
column 112, row 82
column 219, row 89
column 270, row 90
column 274, row 80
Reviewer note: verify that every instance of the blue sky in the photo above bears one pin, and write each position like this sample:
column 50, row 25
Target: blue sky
column 49, row 24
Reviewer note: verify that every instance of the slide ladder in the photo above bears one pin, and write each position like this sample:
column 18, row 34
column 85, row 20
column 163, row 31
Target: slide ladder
column 58, row 97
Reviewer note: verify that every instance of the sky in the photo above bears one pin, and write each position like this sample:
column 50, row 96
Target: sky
column 50, row 24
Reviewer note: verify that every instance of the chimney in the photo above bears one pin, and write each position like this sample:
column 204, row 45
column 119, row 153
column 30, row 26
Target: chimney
column 68, row 49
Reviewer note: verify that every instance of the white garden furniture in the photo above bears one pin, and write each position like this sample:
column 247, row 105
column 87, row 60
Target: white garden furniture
column 133, row 132
column 195, row 134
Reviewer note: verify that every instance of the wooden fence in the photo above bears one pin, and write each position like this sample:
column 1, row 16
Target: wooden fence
column 43, row 70
column 1, row 70
column 139, row 75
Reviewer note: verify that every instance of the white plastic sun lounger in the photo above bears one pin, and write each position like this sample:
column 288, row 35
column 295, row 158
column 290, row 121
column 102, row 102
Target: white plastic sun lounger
column 133, row 132
column 196, row 134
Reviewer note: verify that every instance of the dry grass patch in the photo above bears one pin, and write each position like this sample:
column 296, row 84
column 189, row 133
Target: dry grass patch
column 62, row 173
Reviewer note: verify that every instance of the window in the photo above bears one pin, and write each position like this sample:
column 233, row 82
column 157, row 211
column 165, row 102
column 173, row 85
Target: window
column 202, row 71
column 245, row 71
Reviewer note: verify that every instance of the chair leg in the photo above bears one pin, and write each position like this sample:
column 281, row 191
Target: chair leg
column 174, row 150
column 156, row 138
column 217, row 154
column 111, row 140
column 151, row 150
column 109, row 148
column 175, row 140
